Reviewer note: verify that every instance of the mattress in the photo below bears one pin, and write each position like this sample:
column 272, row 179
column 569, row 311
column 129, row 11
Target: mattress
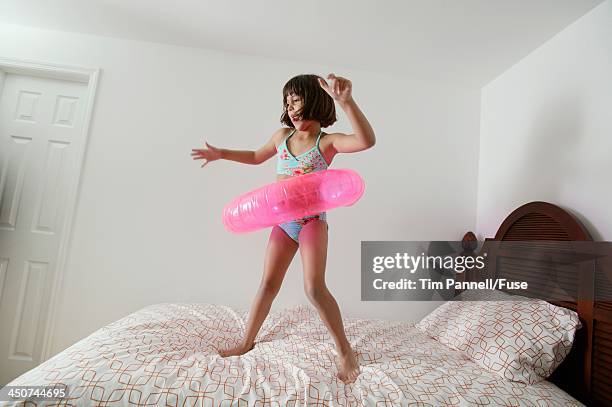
column 166, row 354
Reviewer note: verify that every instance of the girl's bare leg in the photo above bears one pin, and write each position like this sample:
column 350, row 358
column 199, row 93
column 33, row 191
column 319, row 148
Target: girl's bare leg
column 279, row 253
column 313, row 249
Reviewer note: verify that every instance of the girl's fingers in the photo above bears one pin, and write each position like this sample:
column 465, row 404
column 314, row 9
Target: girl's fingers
column 205, row 162
column 323, row 84
column 337, row 84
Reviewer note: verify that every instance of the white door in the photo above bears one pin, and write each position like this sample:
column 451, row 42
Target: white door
column 40, row 123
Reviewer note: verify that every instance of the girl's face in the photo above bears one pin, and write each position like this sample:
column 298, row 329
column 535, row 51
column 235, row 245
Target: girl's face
column 295, row 104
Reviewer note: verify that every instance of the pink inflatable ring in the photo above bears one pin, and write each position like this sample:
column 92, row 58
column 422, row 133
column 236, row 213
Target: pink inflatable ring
column 293, row 198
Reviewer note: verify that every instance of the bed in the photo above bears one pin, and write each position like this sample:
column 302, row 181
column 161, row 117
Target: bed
column 586, row 373
column 165, row 354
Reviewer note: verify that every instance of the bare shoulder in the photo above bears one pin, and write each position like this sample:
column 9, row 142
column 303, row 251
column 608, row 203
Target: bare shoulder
column 280, row 134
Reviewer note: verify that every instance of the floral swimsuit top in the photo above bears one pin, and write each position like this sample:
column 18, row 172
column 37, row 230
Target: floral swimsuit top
column 309, row 161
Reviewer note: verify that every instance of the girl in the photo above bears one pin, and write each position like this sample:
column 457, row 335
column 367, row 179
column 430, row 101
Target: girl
column 308, row 102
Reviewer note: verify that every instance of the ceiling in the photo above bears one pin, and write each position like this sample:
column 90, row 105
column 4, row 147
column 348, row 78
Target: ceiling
column 469, row 42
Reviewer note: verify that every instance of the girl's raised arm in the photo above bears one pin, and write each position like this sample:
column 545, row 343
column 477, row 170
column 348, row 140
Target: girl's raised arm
column 340, row 89
column 212, row 153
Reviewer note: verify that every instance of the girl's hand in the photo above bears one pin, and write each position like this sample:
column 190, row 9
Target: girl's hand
column 339, row 88
column 208, row 155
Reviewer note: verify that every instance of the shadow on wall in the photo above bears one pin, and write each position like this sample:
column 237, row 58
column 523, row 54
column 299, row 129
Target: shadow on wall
column 595, row 234
column 550, row 158
column 552, row 154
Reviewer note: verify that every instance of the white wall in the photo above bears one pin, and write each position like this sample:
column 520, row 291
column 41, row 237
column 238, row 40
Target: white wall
column 148, row 226
column 2, row 78
column 546, row 129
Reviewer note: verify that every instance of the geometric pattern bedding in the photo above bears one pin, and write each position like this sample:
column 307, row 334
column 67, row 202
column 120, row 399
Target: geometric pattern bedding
column 166, row 355
column 523, row 340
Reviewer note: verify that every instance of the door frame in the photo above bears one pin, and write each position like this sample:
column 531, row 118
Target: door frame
column 88, row 76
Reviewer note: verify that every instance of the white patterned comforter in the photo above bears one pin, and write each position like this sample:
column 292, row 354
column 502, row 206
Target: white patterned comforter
column 165, row 355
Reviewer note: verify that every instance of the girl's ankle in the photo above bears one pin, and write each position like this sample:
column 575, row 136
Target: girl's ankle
column 344, row 350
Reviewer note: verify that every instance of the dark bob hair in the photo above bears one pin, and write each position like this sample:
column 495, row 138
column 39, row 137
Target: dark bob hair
column 317, row 104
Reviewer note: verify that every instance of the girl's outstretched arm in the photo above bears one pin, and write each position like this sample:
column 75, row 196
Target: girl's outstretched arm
column 340, row 89
column 212, row 153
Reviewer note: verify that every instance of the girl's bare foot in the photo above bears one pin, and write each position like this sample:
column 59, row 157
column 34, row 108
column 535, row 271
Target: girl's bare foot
column 349, row 367
column 236, row 350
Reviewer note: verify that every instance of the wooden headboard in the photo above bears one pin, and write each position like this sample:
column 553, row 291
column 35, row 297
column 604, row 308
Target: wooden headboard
column 586, row 373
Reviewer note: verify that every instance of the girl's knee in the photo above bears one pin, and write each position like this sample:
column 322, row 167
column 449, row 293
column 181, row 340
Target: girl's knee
column 315, row 291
